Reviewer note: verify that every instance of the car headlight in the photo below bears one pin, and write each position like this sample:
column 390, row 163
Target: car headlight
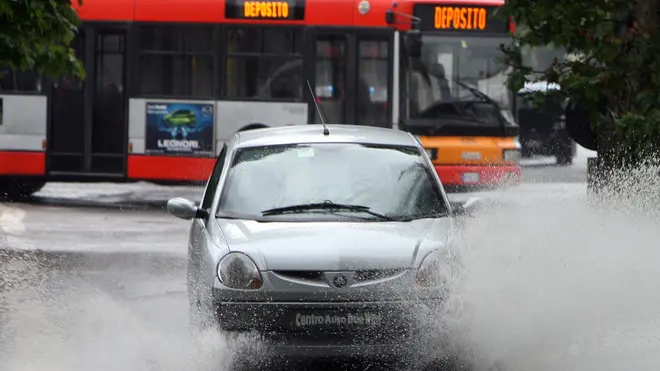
column 433, row 272
column 237, row 271
column 511, row 155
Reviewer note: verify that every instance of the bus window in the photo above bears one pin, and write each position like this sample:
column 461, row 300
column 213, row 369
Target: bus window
column 110, row 63
column 19, row 81
column 176, row 61
column 374, row 75
column 264, row 63
column 331, row 77
column 286, row 83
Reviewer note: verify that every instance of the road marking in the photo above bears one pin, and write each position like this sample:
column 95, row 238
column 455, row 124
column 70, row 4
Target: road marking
column 11, row 220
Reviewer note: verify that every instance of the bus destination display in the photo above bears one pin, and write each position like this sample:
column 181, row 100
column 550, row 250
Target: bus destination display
column 460, row 18
column 265, row 10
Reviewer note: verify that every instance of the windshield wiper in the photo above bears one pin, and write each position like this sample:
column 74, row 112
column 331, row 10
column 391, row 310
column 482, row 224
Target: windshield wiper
column 477, row 93
column 325, row 205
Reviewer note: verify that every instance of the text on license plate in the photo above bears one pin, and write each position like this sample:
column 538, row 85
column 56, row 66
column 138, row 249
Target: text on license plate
column 470, row 177
column 304, row 320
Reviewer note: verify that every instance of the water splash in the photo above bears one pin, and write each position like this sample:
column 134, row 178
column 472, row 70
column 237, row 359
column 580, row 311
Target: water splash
column 62, row 322
column 564, row 282
column 550, row 280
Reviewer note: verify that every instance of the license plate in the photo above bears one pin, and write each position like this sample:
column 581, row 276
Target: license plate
column 347, row 321
column 470, row 177
column 471, row 156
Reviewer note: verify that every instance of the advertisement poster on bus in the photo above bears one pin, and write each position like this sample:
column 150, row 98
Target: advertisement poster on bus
column 181, row 128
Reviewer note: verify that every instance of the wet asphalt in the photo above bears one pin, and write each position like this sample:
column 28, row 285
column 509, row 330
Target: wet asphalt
column 93, row 277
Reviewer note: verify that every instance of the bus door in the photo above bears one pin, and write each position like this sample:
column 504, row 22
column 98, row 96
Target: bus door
column 87, row 134
column 351, row 75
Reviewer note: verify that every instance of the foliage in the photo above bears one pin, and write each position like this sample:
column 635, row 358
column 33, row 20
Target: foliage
column 36, row 34
column 613, row 68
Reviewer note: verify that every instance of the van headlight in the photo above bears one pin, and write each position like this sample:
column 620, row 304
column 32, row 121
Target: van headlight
column 511, row 155
column 237, row 271
column 433, row 272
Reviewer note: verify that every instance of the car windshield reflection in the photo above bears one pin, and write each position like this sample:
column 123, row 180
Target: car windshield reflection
column 388, row 183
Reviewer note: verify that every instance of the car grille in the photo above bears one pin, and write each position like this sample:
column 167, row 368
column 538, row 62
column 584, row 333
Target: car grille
column 359, row 275
column 302, row 275
column 374, row 275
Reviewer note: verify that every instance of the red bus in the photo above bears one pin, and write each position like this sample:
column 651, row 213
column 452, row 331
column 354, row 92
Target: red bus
column 169, row 80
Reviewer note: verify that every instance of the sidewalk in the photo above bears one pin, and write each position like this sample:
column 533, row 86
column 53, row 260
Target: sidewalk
column 122, row 195
column 580, row 159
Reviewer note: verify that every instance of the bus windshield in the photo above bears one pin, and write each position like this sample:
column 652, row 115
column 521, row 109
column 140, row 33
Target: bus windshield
column 450, row 63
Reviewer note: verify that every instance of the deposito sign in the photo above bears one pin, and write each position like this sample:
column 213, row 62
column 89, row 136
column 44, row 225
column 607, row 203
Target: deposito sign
column 460, row 18
column 286, row 10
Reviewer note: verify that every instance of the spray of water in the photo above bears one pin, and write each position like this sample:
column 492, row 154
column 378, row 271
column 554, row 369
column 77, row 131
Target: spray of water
column 563, row 281
column 55, row 322
column 547, row 282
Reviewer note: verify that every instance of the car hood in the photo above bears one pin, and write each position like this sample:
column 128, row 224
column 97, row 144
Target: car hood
column 334, row 245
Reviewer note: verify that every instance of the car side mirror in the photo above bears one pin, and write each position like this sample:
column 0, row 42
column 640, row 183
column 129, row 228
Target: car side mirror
column 467, row 208
column 185, row 209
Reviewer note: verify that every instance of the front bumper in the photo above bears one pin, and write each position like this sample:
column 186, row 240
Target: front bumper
column 335, row 329
column 478, row 175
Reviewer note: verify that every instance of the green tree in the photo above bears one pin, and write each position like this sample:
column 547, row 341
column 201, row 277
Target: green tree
column 36, row 34
column 613, row 70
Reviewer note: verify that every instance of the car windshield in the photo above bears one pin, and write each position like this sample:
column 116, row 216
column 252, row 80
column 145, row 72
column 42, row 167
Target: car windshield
column 449, row 64
column 392, row 181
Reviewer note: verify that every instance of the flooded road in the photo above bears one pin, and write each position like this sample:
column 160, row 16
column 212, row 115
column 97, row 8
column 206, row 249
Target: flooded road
column 550, row 283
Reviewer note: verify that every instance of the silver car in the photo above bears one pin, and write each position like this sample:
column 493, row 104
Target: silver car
column 323, row 244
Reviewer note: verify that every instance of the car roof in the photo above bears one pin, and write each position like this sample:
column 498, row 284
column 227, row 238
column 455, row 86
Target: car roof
column 314, row 134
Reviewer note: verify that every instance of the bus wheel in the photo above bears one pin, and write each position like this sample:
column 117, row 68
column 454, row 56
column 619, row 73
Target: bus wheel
column 19, row 189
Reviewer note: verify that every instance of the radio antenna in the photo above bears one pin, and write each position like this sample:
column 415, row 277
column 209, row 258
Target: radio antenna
column 318, row 109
